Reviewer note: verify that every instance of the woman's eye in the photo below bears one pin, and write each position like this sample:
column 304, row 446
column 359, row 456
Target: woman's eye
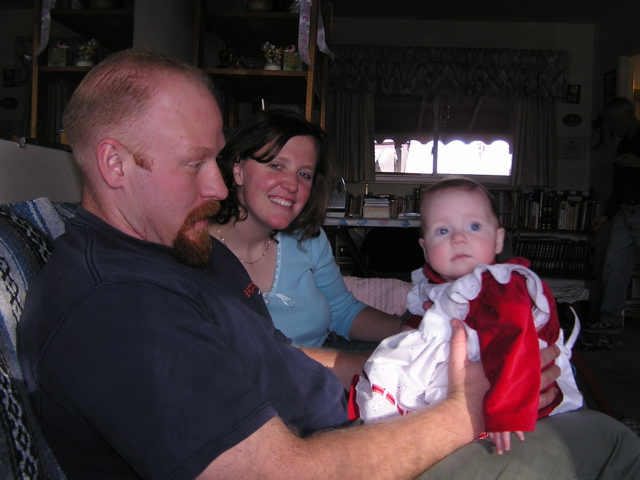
column 305, row 175
column 275, row 166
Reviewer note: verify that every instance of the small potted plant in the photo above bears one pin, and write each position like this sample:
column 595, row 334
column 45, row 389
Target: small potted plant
column 273, row 56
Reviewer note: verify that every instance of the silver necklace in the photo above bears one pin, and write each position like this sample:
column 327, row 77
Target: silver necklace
column 241, row 260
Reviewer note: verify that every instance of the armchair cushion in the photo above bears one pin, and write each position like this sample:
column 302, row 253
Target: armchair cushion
column 386, row 294
column 27, row 230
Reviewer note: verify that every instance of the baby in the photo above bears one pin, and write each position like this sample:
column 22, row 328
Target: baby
column 508, row 312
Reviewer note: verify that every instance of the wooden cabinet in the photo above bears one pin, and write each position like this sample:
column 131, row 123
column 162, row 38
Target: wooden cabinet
column 112, row 28
column 243, row 33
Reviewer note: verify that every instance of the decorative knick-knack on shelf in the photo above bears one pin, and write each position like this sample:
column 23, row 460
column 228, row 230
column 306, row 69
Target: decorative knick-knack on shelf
column 86, row 53
column 273, row 56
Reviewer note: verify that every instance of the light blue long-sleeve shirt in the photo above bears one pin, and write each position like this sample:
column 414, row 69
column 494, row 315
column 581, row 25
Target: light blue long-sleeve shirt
column 308, row 298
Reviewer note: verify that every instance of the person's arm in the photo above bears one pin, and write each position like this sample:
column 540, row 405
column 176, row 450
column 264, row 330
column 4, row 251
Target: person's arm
column 372, row 325
column 347, row 364
column 343, row 364
column 400, row 448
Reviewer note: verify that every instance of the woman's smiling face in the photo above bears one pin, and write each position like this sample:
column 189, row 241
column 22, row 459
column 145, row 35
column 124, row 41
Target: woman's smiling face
column 276, row 192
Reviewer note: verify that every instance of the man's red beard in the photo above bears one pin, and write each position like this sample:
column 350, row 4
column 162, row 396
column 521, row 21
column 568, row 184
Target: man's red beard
column 194, row 248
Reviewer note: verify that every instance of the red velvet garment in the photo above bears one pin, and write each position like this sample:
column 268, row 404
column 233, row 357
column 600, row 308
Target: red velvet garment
column 509, row 349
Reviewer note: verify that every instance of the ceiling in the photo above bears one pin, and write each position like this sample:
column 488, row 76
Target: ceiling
column 536, row 11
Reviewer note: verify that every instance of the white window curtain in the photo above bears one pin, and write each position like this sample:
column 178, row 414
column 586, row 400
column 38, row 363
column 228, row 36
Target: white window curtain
column 351, row 132
column 534, row 145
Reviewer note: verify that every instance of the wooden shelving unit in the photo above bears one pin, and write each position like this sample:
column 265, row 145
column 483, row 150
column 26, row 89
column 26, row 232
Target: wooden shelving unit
column 244, row 33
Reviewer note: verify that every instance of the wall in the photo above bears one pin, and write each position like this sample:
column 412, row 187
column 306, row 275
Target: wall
column 35, row 171
column 577, row 40
column 166, row 26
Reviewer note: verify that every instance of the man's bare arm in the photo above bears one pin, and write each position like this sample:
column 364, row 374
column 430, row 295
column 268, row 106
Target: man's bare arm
column 399, row 448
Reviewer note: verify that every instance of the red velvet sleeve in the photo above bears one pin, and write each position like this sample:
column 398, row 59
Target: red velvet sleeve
column 510, row 354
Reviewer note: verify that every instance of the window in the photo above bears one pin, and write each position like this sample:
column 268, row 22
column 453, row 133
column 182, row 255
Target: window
column 442, row 135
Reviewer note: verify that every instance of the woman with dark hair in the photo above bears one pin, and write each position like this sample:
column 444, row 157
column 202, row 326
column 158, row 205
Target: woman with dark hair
column 279, row 173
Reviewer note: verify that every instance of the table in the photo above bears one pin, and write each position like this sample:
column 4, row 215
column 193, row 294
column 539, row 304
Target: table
column 343, row 224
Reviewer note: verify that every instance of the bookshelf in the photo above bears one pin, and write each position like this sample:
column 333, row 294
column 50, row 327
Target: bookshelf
column 557, row 257
column 560, row 210
column 552, row 229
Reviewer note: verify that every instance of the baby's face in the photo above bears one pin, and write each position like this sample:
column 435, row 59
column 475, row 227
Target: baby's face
column 459, row 232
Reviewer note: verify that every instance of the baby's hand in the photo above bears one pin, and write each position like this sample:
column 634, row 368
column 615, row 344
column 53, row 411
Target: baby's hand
column 502, row 440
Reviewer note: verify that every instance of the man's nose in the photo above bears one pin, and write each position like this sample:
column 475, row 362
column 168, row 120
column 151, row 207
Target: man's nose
column 212, row 184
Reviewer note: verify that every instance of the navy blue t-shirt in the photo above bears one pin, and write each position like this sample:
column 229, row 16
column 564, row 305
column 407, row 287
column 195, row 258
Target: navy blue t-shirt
column 139, row 366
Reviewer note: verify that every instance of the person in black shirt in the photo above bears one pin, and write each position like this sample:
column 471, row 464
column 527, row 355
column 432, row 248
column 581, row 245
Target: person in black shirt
column 623, row 209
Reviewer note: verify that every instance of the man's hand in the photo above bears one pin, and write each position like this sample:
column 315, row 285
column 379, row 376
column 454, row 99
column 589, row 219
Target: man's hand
column 628, row 160
column 550, row 373
column 597, row 222
column 467, row 381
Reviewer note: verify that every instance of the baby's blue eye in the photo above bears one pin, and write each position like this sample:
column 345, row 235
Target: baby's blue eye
column 442, row 231
column 474, row 226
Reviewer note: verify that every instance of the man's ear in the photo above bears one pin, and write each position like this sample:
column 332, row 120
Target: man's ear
column 111, row 155
column 500, row 240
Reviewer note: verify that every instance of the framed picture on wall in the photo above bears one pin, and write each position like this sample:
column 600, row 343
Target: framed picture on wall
column 572, row 148
column 609, row 85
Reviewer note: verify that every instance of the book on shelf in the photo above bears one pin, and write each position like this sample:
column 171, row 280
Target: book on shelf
column 571, row 210
column 379, row 200
column 557, row 257
column 376, row 211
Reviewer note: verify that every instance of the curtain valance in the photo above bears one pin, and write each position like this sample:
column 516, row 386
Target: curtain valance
column 449, row 71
